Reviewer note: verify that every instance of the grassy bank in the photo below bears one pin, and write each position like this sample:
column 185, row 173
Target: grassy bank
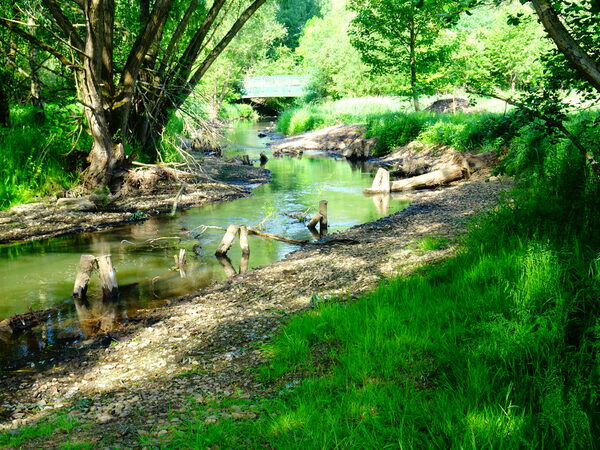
column 496, row 348
column 38, row 159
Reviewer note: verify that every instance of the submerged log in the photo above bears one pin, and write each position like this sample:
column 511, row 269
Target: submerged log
column 227, row 240
column 255, row 232
column 23, row 322
column 429, row 180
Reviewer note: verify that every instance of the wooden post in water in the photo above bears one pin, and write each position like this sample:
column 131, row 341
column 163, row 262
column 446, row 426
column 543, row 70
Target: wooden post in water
column 323, row 211
column 314, row 221
column 244, row 244
column 180, row 262
column 87, row 264
column 227, row 240
column 108, row 277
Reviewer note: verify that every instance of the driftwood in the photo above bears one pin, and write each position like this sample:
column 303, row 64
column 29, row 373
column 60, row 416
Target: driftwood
column 108, row 277
column 255, row 232
column 227, row 240
column 23, row 322
column 263, row 159
column 177, row 197
column 381, row 183
column 429, row 180
column 244, row 263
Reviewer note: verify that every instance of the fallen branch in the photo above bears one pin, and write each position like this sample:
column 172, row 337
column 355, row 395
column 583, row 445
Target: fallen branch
column 177, row 197
column 22, row 322
column 151, row 241
column 254, row 232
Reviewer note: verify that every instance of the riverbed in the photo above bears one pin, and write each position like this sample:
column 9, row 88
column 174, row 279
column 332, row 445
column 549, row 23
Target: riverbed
column 38, row 275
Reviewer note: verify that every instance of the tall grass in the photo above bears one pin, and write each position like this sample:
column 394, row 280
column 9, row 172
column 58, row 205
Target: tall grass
column 496, row 348
column 34, row 159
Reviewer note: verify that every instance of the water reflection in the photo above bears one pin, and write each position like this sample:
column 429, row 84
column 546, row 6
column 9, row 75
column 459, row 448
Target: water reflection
column 96, row 316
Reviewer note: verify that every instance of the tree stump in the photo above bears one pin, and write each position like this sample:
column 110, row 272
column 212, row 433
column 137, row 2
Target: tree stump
column 227, row 240
column 244, row 244
column 108, row 277
column 315, row 220
column 323, row 211
column 381, row 183
column 87, row 264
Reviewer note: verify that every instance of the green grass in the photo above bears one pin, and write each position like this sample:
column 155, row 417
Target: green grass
column 59, row 424
column 496, row 348
column 389, row 121
column 431, row 243
column 36, row 160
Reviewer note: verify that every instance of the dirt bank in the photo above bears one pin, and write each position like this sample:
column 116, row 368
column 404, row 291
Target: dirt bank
column 204, row 345
column 148, row 192
column 333, row 139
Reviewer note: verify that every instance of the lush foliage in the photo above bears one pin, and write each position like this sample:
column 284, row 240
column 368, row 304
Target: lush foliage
column 387, row 119
column 399, row 37
column 39, row 159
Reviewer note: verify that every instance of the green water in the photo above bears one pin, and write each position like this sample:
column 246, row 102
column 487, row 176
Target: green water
column 39, row 275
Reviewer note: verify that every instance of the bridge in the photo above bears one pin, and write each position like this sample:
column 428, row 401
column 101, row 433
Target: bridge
column 275, row 86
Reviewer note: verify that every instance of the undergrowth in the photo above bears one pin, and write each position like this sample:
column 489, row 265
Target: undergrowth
column 38, row 159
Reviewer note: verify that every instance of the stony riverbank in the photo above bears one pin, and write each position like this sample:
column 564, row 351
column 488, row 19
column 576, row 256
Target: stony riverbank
column 149, row 192
column 122, row 387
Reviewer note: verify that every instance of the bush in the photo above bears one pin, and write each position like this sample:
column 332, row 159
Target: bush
column 238, row 111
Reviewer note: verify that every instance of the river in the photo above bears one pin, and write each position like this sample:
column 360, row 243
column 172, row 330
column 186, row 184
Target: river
column 40, row 274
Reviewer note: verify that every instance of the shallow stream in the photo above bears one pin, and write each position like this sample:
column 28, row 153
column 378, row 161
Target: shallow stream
column 39, row 275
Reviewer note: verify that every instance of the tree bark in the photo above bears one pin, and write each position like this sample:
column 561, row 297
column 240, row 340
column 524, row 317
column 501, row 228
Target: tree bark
column 36, row 96
column 581, row 61
column 413, row 67
column 429, row 180
column 4, row 108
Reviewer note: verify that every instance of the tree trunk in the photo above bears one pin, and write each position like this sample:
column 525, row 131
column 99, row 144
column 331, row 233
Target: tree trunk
column 36, row 96
column 4, row 108
column 107, row 158
column 429, row 180
column 413, row 68
column 583, row 63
